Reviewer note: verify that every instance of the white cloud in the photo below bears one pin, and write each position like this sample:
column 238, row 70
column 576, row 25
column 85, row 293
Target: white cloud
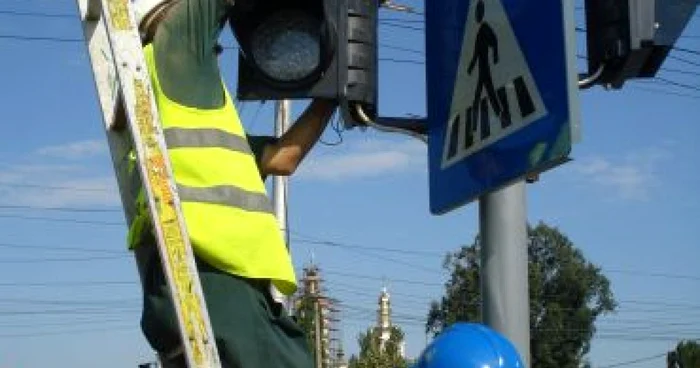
column 367, row 159
column 73, row 183
column 54, row 188
column 632, row 177
column 75, row 150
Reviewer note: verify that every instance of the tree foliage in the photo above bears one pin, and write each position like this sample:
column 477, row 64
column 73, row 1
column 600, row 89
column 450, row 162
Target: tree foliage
column 688, row 354
column 372, row 356
column 567, row 294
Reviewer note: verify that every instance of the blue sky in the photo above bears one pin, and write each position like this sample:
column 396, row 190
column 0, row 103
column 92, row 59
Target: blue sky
column 68, row 288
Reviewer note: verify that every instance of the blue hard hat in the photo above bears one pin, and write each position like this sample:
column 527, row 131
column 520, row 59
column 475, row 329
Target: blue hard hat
column 470, row 345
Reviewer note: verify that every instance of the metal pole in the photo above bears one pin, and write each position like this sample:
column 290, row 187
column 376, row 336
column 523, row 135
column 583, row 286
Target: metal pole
column 279, row 191
column 504, row 275
column 280, row 182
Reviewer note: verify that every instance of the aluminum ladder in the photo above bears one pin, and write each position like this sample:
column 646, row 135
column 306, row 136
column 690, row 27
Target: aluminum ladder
column 132, row 124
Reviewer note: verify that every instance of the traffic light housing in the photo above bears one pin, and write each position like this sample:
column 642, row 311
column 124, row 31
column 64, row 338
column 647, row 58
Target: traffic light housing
column 300, row 49
column 631, row 38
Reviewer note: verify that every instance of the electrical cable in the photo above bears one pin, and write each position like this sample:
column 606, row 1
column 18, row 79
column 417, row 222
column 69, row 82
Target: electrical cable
column 686, row 50
column 638, row 360
column 59, row 209
column 677, row 84
column 672, row 93
column 54, row 219
column 51, row 187
column 316, row 240
column 58, row 248
column 47, row 260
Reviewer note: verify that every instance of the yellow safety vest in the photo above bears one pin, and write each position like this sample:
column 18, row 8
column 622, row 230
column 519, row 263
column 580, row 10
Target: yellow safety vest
column 228, row 215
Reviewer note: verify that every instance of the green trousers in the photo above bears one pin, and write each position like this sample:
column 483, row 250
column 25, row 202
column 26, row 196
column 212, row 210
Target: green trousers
column 251, row 329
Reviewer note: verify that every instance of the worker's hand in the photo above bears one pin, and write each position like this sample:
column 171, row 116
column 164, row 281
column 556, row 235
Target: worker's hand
column 323, row 104
column 284, row 157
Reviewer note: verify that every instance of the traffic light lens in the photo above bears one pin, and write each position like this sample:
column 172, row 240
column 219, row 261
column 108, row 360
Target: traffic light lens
column 287, row 46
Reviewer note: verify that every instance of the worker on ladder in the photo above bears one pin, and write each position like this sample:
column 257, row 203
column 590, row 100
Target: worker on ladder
column 219, row 171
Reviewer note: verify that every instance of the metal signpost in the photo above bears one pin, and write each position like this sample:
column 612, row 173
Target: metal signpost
column 502, row 104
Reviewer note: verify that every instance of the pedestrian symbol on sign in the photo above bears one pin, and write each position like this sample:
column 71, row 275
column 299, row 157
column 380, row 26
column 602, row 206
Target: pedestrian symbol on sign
column 494, row 93
column 485, row 41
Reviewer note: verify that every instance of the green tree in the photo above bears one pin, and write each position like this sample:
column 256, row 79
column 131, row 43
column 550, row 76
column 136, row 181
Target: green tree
column 372, row 356
column 567, row 294
column 688, row 354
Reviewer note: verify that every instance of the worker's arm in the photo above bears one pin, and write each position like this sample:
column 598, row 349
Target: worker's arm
column 188, row 66
column 283, row 156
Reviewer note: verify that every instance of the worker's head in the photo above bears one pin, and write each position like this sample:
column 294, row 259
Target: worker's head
column 468, row 345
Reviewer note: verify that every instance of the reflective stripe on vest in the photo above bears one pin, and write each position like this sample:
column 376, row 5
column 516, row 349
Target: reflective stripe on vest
column 228, row 215
column 183, row 138
column 227, row 195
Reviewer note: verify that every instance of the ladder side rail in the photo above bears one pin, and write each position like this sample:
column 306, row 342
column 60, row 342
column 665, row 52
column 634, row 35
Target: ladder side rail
column 106, row 85
column 115, row 35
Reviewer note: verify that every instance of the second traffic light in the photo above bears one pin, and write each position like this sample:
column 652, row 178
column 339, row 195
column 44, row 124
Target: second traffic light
column 629, row 39
column 298, row 49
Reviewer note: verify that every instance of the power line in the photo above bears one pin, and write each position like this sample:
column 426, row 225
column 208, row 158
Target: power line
column 654, row 274
column 664, row 92
column 77, row 259
column 37, row 14
column 40, row 38
column 52, row 187
column 689, row 51
column 394, row 260
column 59, row 209
column 684, row 60
column 402, row 281
column 108, row 302
column 318, row 241
column 335, row 285
column 58, row 248
column 403, row 20
column 401, row 26
column 624, row 302
column 398, row 48
column 54, row 219
column 678, row 84
column 73, row 40
column 673, row 70
column 402, row 61
column 124, row 328
column 72, row 311
column 71, row 322
column 70, row 284
column 329, row 243
column 69, row 40
column 630, row 362
column 361, row 251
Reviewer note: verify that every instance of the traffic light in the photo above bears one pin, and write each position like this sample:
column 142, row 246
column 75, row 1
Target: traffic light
column 631, row 38
column 298, row 49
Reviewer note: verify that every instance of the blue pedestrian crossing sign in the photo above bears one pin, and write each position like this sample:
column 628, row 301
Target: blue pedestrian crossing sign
column 502, row 93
